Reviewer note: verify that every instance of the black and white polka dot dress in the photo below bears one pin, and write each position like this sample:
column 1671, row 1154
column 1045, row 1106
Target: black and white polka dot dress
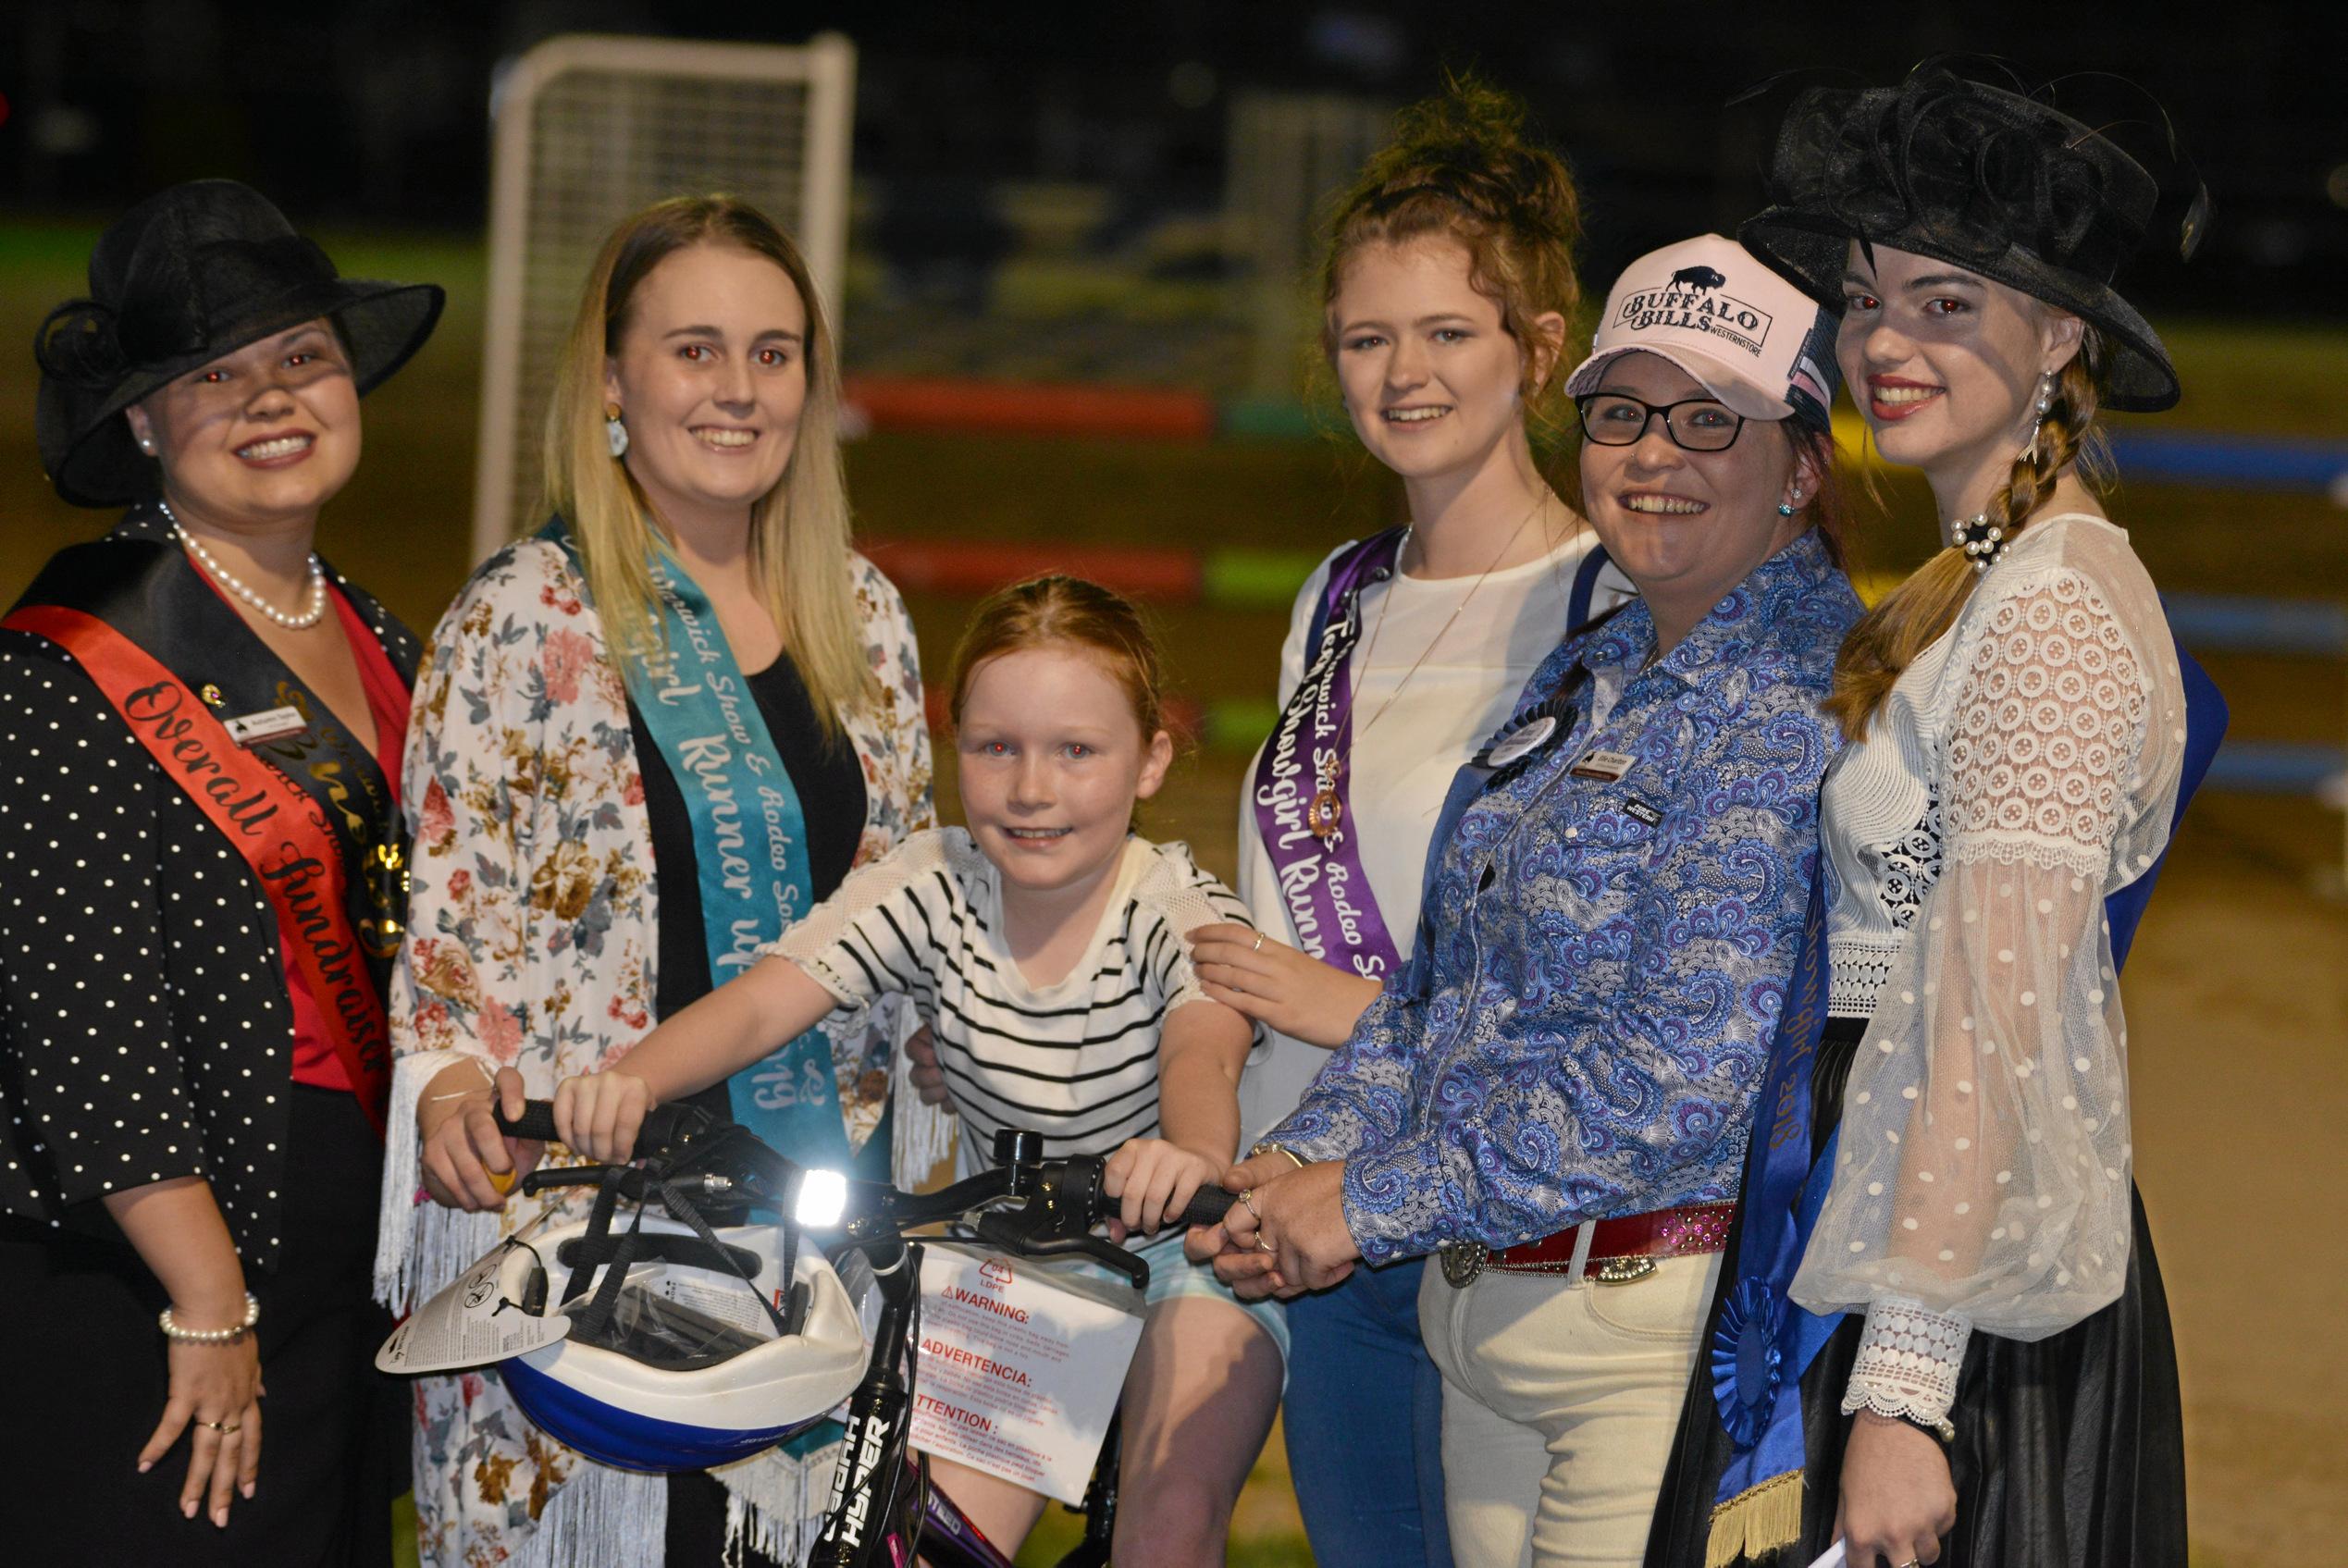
column 145, row 1033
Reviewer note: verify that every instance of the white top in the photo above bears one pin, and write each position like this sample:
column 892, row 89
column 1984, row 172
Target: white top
column 2024, row 768
column 1404, row 755
column 1075, row 1060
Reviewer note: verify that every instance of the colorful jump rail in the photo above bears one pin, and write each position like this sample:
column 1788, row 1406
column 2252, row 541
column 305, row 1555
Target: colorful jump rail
column 1252, row 579
column 1149, row 413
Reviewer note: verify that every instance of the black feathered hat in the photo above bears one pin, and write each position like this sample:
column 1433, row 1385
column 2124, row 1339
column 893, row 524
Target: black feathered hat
column 1992, row 182
column 185, row 277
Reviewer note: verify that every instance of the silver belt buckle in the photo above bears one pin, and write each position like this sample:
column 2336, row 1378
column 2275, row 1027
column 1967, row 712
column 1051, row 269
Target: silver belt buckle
column 1622, row 1271
column 1463, row 1261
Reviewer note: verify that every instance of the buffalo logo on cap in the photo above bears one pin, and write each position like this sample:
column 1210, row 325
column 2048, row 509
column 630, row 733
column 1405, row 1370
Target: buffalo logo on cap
column 1695, row 300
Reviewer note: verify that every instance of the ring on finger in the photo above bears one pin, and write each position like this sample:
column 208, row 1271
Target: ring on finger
column 1262, row 1245
column 1259, row 944
column 1248, row 1197
column 223, row 1427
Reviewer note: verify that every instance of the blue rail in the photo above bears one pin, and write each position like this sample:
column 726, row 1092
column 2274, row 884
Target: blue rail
column 2246, row 462
column 2231, row 623
column 2302, row 628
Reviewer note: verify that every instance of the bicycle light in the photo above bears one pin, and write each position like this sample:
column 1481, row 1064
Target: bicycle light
column 821, row 1199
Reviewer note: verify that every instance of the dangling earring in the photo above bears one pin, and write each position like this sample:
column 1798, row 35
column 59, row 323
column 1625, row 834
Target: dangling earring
column 2045, row 405
column 615, row 430
column 1785, row 507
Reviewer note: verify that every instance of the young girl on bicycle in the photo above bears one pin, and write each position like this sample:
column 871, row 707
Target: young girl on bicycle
column 1044, row 945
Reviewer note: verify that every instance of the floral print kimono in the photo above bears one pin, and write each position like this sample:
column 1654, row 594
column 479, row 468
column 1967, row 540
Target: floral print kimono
column 533, row 932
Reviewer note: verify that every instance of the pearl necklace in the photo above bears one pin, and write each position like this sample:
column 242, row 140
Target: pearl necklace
column 307, row 618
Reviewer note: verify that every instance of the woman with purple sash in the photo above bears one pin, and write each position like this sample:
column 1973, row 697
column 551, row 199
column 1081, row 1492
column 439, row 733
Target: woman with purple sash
column 1449, row 281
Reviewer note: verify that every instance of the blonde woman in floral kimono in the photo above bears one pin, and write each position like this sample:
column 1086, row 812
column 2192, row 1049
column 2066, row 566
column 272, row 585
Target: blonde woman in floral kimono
column 646, row 738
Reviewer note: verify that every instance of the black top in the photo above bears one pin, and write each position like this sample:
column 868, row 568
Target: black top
column 145, row 1032
column 831, row 785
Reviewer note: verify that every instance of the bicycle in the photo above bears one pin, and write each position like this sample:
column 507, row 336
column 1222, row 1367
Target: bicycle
column 885, row 1510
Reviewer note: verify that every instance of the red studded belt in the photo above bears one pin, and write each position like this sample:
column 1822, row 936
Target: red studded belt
column 1620, row 1250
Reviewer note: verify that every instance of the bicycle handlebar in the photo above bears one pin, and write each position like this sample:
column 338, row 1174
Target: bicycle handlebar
column 536, row 1122
column 1054, row 1202
column 1208, row 1206
column 663, row 1125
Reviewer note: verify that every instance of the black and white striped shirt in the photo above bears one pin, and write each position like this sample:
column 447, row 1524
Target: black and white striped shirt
column 1075, row 1061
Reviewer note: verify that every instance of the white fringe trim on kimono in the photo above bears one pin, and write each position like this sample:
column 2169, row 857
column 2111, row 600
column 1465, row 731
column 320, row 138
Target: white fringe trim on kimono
column 599, row 1516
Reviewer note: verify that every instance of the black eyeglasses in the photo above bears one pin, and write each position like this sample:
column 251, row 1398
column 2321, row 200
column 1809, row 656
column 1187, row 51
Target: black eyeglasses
column 1614, row 419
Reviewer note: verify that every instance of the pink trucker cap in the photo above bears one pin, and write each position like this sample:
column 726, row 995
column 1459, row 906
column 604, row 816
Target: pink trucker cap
column 1755, row 341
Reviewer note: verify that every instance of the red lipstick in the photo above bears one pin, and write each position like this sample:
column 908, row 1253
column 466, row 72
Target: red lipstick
column 1893, row 412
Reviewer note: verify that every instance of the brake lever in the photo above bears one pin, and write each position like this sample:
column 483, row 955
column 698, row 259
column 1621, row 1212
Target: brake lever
column 1003, row 1232
column 564, row 1176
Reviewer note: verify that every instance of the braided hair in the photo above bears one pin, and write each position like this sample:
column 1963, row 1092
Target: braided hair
column 1464, row 166
column 1913, row 616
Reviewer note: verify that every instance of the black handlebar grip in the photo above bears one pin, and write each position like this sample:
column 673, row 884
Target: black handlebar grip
column 1207, row 1205
column 536, row 1122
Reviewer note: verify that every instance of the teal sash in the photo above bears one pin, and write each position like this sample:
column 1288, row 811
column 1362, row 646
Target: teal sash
column 750, row 842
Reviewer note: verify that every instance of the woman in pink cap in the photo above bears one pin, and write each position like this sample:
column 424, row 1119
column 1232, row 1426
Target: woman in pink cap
column 1556, row 1094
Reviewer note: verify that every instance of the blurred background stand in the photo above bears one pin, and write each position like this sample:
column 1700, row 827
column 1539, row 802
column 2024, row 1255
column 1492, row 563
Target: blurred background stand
column 1289, row 154
column 588, row 130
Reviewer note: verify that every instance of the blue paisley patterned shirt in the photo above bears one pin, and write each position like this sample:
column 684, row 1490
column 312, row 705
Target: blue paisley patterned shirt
column 1601, row 960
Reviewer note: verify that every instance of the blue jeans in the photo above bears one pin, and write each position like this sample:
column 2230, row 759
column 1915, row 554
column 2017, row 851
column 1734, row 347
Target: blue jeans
column 1365, row 1422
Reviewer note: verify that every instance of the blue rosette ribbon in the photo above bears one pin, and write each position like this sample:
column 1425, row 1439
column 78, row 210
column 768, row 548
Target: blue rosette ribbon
column 1748, row 1361
column 1764, row 1343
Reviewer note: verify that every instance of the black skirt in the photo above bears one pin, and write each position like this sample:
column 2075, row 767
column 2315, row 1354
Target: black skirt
column 88, row 1378
column 2070, row 1451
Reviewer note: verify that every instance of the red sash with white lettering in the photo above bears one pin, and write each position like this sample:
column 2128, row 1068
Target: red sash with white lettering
column 278, row 830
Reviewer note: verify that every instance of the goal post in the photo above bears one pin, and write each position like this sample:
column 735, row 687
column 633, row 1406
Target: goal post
column 1289, row 156
column 589, row 128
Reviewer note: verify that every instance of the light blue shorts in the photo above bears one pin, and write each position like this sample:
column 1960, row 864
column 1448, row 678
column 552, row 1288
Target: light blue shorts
column 1174, row 1277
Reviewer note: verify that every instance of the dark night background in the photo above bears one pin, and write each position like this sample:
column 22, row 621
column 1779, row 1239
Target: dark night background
column 374, row 109
column 1052, row 194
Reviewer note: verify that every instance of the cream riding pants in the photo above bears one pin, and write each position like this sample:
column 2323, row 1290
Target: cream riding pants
column 1561, row 1397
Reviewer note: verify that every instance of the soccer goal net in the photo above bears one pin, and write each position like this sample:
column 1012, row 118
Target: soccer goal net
column 588, row 130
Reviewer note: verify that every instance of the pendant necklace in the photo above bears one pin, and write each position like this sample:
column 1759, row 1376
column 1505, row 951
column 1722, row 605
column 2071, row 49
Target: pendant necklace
column 1326, row 810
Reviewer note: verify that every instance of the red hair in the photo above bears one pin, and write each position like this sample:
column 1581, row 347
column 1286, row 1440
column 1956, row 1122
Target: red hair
column 1059, row 612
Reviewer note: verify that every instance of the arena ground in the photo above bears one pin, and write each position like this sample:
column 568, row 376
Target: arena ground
column 2238, row 990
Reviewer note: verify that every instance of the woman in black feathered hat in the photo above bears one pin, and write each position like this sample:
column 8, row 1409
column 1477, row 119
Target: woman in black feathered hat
column 204, row 888
column 1964, row 1356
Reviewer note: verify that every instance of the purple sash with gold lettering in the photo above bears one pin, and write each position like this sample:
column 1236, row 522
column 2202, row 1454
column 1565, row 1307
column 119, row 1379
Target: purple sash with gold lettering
column 1302, row 786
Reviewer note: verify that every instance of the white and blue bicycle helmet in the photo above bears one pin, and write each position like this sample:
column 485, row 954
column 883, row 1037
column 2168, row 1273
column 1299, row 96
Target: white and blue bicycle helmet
column 699, row 1356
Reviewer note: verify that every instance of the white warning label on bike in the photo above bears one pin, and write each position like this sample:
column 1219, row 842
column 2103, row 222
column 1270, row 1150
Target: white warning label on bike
column 1021, row 1368
column 475, row 1321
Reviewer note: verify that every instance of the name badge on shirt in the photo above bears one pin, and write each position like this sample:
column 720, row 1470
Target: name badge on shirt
column 1521, row 741
column 275, row 724
column 1608, row 766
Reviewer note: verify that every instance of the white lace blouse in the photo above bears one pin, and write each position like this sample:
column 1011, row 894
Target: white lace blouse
column 2024, row 768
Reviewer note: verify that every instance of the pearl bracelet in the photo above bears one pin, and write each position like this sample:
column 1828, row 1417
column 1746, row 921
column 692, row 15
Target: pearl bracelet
column 212, row 1335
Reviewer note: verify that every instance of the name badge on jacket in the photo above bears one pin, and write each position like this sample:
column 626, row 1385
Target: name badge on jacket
column 274, row 724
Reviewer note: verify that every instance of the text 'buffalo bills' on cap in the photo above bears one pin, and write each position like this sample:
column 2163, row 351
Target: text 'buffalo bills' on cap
column 1753, row 340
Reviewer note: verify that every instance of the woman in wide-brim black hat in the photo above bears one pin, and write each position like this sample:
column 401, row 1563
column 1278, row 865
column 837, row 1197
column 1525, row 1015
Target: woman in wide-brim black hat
column 203, row 890
column 1963, row 1356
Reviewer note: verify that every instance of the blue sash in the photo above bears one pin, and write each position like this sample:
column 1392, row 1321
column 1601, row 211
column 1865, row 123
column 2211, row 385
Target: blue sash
column 750, row 842
column 1763, row 1342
